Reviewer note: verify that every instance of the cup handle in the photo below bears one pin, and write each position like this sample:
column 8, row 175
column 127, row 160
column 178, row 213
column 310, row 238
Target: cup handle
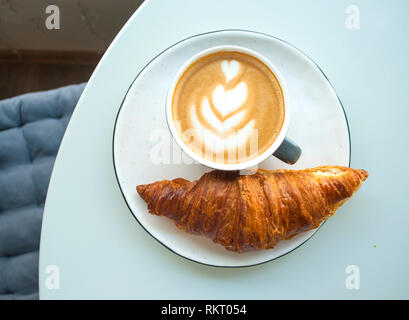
column 288, row 152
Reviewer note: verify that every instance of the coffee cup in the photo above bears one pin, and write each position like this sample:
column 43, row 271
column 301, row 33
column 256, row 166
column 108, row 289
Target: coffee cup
column 229, row 108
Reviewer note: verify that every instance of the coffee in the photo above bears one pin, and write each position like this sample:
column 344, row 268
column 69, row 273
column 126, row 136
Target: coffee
column 228, row 107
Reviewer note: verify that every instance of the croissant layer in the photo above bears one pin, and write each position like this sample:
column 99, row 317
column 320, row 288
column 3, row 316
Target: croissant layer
column 253, row 211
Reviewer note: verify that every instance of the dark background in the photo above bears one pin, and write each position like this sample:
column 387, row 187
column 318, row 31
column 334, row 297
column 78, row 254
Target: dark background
column 34, row 58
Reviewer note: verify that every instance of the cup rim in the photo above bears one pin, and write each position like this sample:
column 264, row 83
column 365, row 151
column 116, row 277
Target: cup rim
column 234, row 166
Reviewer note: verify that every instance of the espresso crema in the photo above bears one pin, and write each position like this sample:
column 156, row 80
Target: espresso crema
column 228, row 107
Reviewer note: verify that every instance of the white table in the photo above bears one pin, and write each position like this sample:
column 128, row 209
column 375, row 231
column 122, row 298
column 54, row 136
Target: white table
column 92, row 247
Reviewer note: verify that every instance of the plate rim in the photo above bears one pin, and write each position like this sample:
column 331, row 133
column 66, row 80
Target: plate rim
column 122, row 103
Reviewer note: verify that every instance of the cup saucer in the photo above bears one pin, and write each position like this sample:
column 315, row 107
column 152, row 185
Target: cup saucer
column 144, row 152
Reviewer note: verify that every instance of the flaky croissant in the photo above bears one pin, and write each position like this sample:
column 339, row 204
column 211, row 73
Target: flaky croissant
column 253, row 211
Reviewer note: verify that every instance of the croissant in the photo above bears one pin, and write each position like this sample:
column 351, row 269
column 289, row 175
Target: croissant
column 241, row 212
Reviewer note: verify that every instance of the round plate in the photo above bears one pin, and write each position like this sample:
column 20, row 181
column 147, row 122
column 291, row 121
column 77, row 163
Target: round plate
column 144, row 152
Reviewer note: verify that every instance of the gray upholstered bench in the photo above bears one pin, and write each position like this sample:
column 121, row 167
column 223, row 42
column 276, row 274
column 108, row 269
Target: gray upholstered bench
column 31, row 129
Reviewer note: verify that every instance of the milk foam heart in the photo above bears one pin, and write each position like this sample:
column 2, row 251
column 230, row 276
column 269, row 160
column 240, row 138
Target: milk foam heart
column 220, row 142
column 220, row 126
column 230, row 69
column 228, row 101
column 229, row 106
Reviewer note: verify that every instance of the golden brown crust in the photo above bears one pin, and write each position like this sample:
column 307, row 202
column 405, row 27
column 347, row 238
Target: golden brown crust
column 253, row 211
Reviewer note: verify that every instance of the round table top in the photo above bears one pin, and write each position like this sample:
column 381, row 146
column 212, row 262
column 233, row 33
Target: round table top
column 93, row 248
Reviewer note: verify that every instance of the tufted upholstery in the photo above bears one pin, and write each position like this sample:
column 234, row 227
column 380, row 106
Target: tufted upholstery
column 31, row 129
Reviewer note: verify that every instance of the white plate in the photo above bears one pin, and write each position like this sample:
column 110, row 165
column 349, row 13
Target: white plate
column 318, row 125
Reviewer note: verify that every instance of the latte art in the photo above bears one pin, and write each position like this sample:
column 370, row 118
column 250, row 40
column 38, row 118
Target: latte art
column 229, row 107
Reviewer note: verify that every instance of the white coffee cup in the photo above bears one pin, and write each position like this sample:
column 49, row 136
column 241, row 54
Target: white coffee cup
column 283, row 148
